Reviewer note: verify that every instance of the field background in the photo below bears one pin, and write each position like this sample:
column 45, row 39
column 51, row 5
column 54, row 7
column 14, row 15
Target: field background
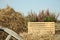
column 17, row 22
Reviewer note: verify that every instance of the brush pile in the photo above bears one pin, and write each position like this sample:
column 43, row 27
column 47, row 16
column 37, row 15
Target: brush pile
column 12, row 20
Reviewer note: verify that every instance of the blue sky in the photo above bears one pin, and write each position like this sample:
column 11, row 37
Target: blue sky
column 34, row 5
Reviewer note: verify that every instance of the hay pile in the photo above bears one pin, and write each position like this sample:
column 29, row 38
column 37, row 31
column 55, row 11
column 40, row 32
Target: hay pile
column 12, row 20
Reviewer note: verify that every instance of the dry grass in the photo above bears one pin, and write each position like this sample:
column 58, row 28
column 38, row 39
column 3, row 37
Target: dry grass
column 12, row 20
column 27, row 36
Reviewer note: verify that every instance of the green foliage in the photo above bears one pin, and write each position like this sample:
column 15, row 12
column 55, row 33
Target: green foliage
column 32, row 17
column 49, row 19
column 46, row 17
column 41, row 17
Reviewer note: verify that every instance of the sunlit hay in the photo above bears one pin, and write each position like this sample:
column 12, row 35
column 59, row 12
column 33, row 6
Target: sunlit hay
column 37, row 36
column 12, row 20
